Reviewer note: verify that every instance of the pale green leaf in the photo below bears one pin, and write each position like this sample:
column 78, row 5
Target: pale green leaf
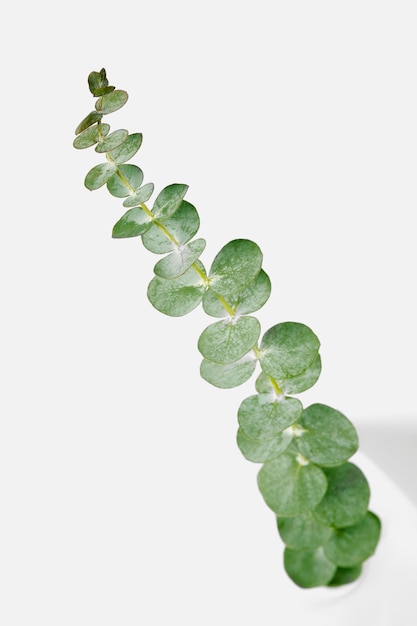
column 262, row 450
column 235, row 267
column 112, row 101
column 88, row 121
column 127, row 149
column 229, row 375
column 303, row 531
column 133, row 223
column 262, row 417
column 169, row 200
column 308, row 568
column 287, row 350
column 180, row 295
column 229, row 340
column 248, row 301
column 140, row 196
column 180, row 260
column 348, row 547
column 116, row 138
column 99, row 175
column 125, row 178
column 182, row 226
column 90, row 136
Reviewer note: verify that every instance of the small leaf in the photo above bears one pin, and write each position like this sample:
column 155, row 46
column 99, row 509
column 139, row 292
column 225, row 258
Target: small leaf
column 289, row 486
column 98, row 83
column 88, row 121
column 133, row 223
column 116, row 138
column 127, row 149
column 111, row 101
column 328, row 437
column 308, row 568
column 90, row 136
column 180, row 260
column 345, row 575
column 180, row 295
column 229, row 375
column 303, row 531
column 262, row 417
column 298, row 384
column 140, row 196
column 288, row 350
column 351, row 546
column 262, row 450
column 169, row 200
column 182, row 225
column 346, row 500
column 126, row 176
column 227, row 341
column 99, row 175
column 248, row 301
column 235, row 267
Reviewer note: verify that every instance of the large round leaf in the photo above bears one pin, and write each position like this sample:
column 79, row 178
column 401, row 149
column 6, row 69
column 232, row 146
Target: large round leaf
column 180, row 260
column 328, row 437
column 126, row 177
column 303, row 531
column 347, row 497
column 262, row 450
column 290, row 486
column 308, row 568
column 182, row 226
column 248, row 301
column 228, row 341
column 351, row 546
column 178, row 296
column 298, row 384
column 229, row 375
column 235, row 267
column 287, row 350
column 261, row 417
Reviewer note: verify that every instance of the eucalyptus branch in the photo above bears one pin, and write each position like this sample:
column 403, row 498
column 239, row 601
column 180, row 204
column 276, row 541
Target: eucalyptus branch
column 319, row 497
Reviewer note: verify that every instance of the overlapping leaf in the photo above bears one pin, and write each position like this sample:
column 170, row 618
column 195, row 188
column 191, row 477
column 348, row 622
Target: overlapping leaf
column 229, row 375
column 133, row 223
column 90, row 136
column 180, row 295
column 228, row 341
column 182, row 225
column 112, row 101
column 235, row 267
column 125, row 178
column 309, row 568
column 127, row 149
column 262, row 450
column 169, row 200
column 351, row 546
column 140, row 196
column 248, row 301
column 115, row 139
column 287, row 350
column 99, row 175
column 180, row 260
column 303, row 531
column 262, row 417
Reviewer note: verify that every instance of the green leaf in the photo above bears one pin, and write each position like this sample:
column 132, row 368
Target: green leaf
column 89, row 120
column 328, row 437
column 262, row 417
column 345, row 575
column 346, row 500
column 112, row 101
column 180, row 260
column 263, row 384
column 99, row 175
column 90, row 136
column 227, row 341
column 290, row 486
column 229, row 375
column 262, row 450
column 248, row 301
column 298, row 384
column 116, row 138
column 180, row 295
column 140, row 196
column 303, row 531
column 133, row 223
column 127, row 149
column 126, row 176
column 288, row 350
column 235, row 267
column 169, row 200
column 182, row 225
column 351, row 546
column 308, row 568
column 98, row 83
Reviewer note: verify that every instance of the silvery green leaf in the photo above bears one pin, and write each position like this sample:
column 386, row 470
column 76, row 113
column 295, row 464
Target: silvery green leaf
column 116, row 138
column 180, row 260
column 127, row 149
column 140, row 196
column 126, row 177
column 133, row 223
column 169, row 200
column 89, row 120
column 90, row 136
column 287, row 350
column 177, row 296
column 182, row 225
column 112, row 101
column 262, row 417
column 99, row 175
column 229, row 340
column 251, row 299
column 262, row 450
column 235, row 267
column 229, row 375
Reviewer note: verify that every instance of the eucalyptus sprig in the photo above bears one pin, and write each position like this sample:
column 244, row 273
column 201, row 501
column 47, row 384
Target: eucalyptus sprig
column 319, row 497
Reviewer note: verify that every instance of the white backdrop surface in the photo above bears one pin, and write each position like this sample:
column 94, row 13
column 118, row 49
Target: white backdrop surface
column 124, row 499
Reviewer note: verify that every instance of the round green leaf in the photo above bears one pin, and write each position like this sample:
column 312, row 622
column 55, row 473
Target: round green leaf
column 298, row 384
column 127, row 149
column 347, row 497
column 182, row 226
column 89, row 120
column 351, row 546
column 140, row 196
column 133, row 223
column 126, row 176
column 111, row 101
column 178, row 296
column 303, row 531
column 169, row 200
column 308, row 568
column 345, row 575
column 263, row 384
column 99, row 175
column 227, row 341
column 290, row 486
column 180, row 260
column 260, row 451
column 328, row 437
column 235, row 267
column 248, row 301
column 229, row 375
column 262, row 417
column 116, row 138
column 287, row 350
column 90, row 136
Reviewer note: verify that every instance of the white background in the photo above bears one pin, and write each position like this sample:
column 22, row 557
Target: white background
column 124, row 499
